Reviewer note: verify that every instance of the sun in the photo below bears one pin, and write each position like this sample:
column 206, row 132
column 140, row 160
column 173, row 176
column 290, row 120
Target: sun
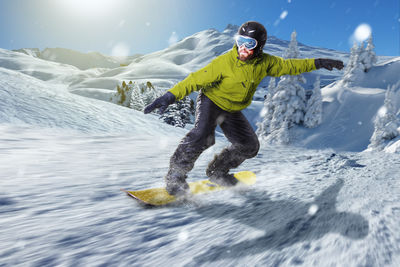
column 88, row 8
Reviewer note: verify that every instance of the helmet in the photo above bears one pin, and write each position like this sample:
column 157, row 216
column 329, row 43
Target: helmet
column 257, row 31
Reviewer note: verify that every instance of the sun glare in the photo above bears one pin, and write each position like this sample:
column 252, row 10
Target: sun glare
column 88, row 8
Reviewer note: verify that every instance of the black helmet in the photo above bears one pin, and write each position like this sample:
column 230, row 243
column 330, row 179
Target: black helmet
column 257, row 31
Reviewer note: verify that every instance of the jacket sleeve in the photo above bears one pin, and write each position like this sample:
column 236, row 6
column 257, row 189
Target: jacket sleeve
column 204, row 77
column 277, row 66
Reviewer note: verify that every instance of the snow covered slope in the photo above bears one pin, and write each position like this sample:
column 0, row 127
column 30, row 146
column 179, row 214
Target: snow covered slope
column 60, row 205
column 25, row 100
column 63, row 159
column 77, row 59
column 44, row 70
column 348, row 113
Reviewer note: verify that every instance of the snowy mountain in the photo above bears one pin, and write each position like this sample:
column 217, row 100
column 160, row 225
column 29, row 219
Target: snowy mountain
column 82, row 61
column 325, row 200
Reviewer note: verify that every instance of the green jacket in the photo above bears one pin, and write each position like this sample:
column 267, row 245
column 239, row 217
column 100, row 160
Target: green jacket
column 231, row 83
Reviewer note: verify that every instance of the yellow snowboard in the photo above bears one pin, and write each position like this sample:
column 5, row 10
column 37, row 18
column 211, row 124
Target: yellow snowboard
column 159, row 196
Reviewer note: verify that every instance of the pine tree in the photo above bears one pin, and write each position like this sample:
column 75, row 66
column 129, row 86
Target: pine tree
column 293, row 50
column 123, row 95
column 285, row 106
column 386, row 122
column 313, row 115
column 263, row 127
column 149, row 85
column 180, row 113
column 137, row 101
column 292, row 84
column 135, row 95
column 354, row 68
column 143, row 95
column 368, row 57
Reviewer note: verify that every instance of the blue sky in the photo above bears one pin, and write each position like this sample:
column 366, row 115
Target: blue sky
column 144, row 26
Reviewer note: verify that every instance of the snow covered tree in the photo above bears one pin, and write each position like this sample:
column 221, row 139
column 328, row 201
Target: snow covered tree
column 361, row 60
column 293, row 50
column 138, row 95
column 285, row 105
column 135, row 95
column 263, row 127
column 282, row 109
column 354, row 67
column 180, row 113
column 313, row 115
column 368, row 57
column 279, row 133
column 386, row 122
column 123, row 95
column 296, row 104
column 143, row 95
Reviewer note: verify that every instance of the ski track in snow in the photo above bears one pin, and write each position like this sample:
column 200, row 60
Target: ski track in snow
column 60, row 204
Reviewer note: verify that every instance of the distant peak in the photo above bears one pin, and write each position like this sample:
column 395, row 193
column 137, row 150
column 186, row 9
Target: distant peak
column 231, row 27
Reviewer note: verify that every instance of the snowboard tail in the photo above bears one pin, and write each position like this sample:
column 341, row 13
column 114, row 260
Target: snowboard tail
column 160, row 196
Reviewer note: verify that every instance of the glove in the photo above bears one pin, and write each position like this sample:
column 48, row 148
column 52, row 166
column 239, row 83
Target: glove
column 161, row 103
column 328, row 64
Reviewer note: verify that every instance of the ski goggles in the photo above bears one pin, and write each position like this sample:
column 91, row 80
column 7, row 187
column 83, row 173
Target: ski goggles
column 248, row 42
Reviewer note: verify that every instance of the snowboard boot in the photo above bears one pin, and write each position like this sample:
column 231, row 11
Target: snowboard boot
column 223, row 179
column 218, row 168
column 176, row 184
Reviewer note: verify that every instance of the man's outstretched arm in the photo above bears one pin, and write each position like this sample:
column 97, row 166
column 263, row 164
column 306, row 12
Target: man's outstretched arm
column 328, row 64
column 193, row 82
column 277, row 66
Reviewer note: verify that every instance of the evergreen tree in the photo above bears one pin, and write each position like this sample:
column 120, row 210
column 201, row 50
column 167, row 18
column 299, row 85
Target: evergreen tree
column 386, row 122
column 368, row 57
column 285, row 105
column 179, row 113
column 143, row 95
column 149, row 85
column 263, row 127
column 135, row 95
column 123, row 95
column 296, row 104
column 293, row 50
column 354, row 67
column 313, row 115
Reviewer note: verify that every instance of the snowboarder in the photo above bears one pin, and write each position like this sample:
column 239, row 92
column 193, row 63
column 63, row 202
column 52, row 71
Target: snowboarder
column 226, row 86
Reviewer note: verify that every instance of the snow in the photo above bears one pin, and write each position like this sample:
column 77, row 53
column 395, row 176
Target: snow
column 324, row 200
column 394, row 147
column 283, row 14
column 80, row 60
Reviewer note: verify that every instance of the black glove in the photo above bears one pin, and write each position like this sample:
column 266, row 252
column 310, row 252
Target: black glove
column 161, row 103
column 328, row 64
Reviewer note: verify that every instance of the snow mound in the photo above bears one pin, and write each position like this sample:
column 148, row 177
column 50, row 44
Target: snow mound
column 29, row 101
column 349, row 112
column 35, row 67
column 381, row 75
column 394, row 147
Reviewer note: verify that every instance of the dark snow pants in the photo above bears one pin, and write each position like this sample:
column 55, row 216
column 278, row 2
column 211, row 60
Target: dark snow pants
column 244, row 141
